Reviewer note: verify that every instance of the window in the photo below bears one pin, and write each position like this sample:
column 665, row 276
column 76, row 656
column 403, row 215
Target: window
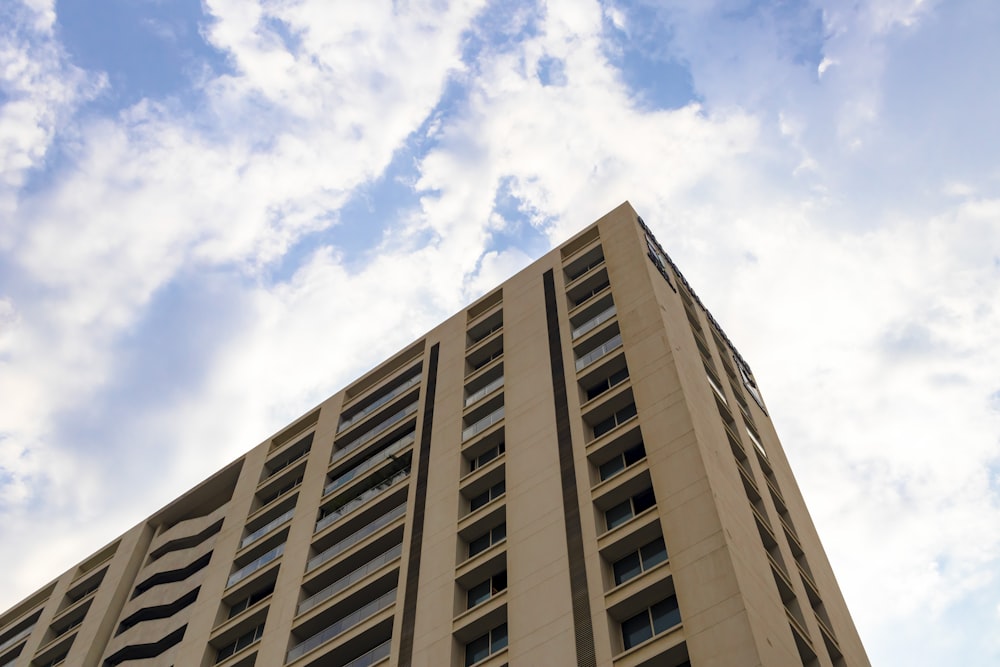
column 486, row 496
column 607, row 383
column 495, row 355
column 586, row 295
column 484, row 542
column 659, row 618
column 487, row 456
column 614, row 420
column 623, row 512
column 482, row 592
column 250, row 600
column 576, row 271
column 637, row 562
column 486, row 645
column 621, row 461
column 241, row 643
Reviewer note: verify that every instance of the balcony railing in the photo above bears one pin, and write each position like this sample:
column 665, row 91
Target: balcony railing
column 245, row 571
column 594, row 322
column 341, row 453
column 344, row 624
column 488, row 389
column 368, row 409
column 371, row 657
column 18, row 637
column 371, row 434
column 358, row 501
column 355, row 537
column 354, row 577
column 595, row 354
column 266, row 528
column 367, row 464
column 483, row 424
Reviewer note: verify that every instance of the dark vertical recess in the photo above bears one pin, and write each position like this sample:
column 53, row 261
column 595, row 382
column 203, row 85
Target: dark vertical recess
column 583, row 628
column 419, row 504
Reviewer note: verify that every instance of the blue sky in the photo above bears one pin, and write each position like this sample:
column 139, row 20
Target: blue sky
column 215, row 214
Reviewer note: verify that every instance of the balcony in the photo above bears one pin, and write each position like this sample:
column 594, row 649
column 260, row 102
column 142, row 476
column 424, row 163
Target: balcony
column 378, row 403
column 355, row 537
column 245, row 571
column 371, row 434
column 342, row 625
column 354, row 577
column 485, row 391
column 333, row 515
column 368, row 464
column 380, row 652
column 600, row 351
column 266, row 528
column 594, row 322
column 17, row 637
column 483, row 424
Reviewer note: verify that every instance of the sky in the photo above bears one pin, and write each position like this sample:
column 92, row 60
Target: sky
column 214, row 214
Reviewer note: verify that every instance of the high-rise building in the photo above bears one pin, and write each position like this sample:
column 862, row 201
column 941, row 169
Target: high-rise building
column 578, row 469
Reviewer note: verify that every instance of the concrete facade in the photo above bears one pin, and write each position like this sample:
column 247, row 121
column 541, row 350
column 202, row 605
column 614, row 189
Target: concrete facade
column 578, row 469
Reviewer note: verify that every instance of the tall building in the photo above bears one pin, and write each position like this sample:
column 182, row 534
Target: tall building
column 578, row 469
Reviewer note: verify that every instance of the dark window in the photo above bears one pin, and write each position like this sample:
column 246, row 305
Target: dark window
column 241, row 643
column 629, row 457
column 486, row 496
column 486, row 645
column 484, row 542
column 607, row 383
column 639, row 561
column 487, row 456
column 250, row 600
column 600, row 288
column 482, row 592
column 614, row 420
column 623, row 512
column 659, row 618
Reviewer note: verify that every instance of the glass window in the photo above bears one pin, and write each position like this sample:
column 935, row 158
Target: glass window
column 639, row 561
column 636, row 630
column 665, row 614
column 618, row 514
column 498, row 638
column 484, row 646
column 634, row 454
column 659, row 618
column 484, row 542
column 627, row 568
column 612, row 467
column 484, row 591
column 478, row 649
column 614, row 420
column 621, row 461
column 487, row 456
column 643, row 500
column 653, row 553
column 494, row 491
column 622, row 512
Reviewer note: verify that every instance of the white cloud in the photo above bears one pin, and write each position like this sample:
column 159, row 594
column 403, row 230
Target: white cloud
column 159, row 191
column 39, row 88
